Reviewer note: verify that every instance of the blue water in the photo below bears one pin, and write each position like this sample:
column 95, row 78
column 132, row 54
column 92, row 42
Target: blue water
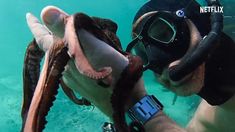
column 64, row 115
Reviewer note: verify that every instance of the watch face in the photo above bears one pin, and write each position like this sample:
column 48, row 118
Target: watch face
column 144, row 109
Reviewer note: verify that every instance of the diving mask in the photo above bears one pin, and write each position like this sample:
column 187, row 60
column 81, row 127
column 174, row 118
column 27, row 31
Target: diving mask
column 158, row 40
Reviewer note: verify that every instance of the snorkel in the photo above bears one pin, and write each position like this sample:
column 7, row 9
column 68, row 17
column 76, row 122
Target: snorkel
column 190, row 62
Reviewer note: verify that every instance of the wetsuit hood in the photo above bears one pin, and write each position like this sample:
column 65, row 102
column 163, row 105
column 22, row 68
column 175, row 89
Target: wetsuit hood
column 204, row 47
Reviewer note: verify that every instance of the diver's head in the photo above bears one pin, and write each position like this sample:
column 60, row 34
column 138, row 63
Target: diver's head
column 159, row 39
column 55, row 19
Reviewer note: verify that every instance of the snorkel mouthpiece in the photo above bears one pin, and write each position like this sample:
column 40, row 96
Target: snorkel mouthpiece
column 158, row 59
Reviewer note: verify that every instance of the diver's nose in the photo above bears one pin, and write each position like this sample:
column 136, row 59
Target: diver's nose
column 51, row 15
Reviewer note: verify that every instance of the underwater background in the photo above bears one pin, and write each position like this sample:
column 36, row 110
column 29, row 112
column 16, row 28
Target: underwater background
column 64, row 115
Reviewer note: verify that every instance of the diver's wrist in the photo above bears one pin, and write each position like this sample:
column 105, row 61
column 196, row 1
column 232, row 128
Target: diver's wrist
column 136, row 94
column 133, row 100
column 144, row 110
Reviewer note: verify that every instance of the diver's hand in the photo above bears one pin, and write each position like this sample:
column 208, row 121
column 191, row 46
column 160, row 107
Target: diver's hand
column 43, row 36
column 190, row 84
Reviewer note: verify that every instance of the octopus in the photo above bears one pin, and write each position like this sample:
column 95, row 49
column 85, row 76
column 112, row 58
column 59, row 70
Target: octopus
column 81, row 54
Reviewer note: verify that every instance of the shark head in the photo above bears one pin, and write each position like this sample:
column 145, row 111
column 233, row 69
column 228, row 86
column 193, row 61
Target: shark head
column 54, row 18
column 95, row 56
column 77, row 30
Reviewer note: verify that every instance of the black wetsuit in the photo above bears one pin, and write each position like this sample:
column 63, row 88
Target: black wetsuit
column 220, row 73
column 219, row 66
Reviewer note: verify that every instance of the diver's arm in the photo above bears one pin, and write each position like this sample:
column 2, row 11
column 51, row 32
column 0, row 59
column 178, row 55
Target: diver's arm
column 161, row 123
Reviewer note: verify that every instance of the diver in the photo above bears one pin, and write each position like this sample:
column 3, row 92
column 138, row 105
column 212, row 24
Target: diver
column 189, row 54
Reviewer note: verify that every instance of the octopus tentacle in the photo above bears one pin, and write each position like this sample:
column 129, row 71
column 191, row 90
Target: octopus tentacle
column 100, row 29
column 47, row 87
column 69, row 92
column 75, row 51
column 121, row 93
column 31, row 71
column 109, row 29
